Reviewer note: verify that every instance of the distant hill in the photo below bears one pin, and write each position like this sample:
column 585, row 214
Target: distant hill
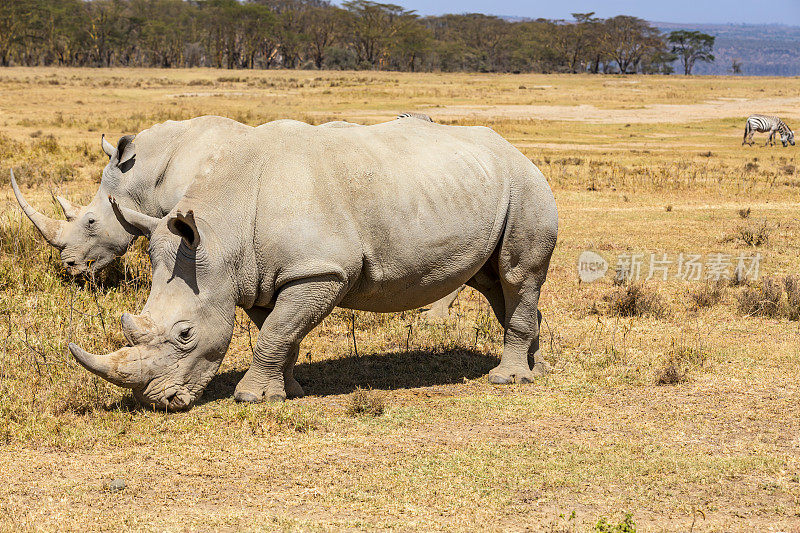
column 763, row 49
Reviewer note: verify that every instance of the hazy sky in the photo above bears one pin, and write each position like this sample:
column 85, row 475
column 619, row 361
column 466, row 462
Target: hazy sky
column 737, row 11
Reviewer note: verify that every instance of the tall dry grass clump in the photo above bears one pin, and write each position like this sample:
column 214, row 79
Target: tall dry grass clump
column 754, row 234
column 679, row 362
column 636, row 299
column 766, row 298
column 708, row 294
column 366, row 402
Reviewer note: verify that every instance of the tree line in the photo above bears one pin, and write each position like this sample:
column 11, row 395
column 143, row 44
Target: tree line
column 360, row 34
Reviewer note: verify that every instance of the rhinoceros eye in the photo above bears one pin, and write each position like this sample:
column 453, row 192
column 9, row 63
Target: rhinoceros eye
column 185, row 334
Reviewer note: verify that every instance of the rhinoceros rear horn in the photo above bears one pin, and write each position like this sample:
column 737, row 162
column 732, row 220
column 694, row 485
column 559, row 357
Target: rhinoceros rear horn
column 134, row 222
column 48, row 227
column 70, row 211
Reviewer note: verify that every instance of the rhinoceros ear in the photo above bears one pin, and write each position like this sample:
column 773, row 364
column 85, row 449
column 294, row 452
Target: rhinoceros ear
column 108, row 148
column 185, row 227
column 126, row 153
column 134, row 222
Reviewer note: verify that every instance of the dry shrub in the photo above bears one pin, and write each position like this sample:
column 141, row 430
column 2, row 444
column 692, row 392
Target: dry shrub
column 763, row 300
column 679, row 362
column 636, row 299
column 365, row 402
column 668, row 208
column 788, row 169
column 709, row 294
column 791, row 285
column 200, row 82
column 47, row 144
column 739, row 278
column 754, row 234
column 9, row 147
column 751, row 167
column 744, row 213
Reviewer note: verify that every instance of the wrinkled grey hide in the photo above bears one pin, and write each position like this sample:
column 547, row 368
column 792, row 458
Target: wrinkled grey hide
column 149, row 173
column 289, row 221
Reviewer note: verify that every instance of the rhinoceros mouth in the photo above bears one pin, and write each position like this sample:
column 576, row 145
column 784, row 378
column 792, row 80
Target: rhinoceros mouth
column 89, row 267
column 175, row 398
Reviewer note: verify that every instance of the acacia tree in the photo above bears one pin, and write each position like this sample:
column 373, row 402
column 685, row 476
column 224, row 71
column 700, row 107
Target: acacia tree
column 572, row 41
column 373, row 26
column 690, row 47
column 628, row 40
column 323, row 26
column 412, row 41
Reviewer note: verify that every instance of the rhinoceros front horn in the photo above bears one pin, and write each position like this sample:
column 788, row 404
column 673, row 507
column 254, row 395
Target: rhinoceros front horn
column 113, row 367
column 48, row 227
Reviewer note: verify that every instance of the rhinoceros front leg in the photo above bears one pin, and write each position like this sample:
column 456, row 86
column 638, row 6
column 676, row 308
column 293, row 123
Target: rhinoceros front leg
column 293, row 389
column 300, row 306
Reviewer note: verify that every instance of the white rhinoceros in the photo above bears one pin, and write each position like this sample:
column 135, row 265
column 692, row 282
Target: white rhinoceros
column 148, row 172
column 169, row 157
column 289, row 221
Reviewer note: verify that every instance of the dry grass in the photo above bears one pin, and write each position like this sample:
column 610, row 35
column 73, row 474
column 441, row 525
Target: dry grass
column 637, row 299
column 597, row 438
column 754, row 233
column 365, row 402
column 679, row 362
column 763, row 299
column 708, row 294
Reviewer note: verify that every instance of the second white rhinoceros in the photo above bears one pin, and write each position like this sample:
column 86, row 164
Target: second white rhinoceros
column 289, row 221
column 148, row 172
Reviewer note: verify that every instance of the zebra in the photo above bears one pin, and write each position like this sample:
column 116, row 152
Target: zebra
column 420, row 116
column 763, row 124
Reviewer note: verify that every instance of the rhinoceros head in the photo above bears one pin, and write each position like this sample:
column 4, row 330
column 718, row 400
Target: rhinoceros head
column 90, row 237
column 177, row 344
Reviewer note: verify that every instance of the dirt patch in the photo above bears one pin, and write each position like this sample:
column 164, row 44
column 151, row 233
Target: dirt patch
column 653, row 113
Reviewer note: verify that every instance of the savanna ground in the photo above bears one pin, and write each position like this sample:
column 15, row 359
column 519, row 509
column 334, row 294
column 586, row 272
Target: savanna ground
column 685, row 414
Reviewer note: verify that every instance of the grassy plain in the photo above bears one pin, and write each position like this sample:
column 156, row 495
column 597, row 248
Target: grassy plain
column 637, row 165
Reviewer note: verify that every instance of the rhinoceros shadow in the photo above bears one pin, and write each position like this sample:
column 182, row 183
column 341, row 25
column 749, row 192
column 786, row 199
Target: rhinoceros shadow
column 385, row 371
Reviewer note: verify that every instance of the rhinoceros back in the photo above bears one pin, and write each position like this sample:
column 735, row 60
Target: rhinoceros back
column 410, row 212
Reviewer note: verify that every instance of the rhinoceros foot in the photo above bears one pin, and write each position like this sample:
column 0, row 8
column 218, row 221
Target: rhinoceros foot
column 503, row 375
column 251, row 397
column 247, row 397
column 541, row 368
column 293, row 388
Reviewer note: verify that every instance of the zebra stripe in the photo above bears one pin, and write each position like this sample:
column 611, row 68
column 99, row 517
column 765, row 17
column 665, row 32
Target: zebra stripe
column 764, row 124
column 420, row 116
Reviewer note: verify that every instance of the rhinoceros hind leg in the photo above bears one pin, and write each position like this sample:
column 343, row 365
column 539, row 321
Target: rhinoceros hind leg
column 521, row 338
column 300, row 306
column 440, row 309
column 537, row 363
column 487, row 282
